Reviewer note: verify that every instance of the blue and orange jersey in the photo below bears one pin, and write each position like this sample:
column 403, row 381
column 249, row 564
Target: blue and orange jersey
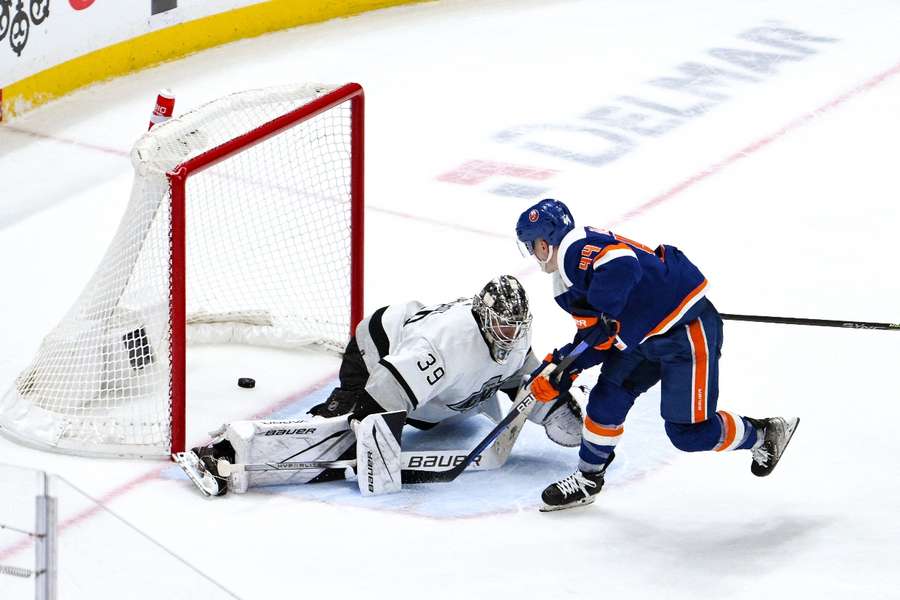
column 646, row 290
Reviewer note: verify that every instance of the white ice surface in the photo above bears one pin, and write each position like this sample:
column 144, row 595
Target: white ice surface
column 802, row 224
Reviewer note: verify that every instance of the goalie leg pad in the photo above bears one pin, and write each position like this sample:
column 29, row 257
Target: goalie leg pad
column 271, row 441
column 378, row 452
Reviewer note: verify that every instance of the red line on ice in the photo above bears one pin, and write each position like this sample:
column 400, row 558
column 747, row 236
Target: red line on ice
column 61, row 140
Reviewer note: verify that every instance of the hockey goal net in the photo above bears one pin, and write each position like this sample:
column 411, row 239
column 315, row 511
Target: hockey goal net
column 245, row 225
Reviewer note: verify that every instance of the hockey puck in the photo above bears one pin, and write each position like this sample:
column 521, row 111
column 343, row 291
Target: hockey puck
column 246, row 382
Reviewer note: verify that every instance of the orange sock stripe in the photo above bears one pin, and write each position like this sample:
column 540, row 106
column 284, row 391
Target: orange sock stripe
column 602, row 429
column 730, row 432
column 600, row 440
column 734, row 433
column 602, row 435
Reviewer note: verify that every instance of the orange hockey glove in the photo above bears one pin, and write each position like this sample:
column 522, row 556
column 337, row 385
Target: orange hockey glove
column 547, row 388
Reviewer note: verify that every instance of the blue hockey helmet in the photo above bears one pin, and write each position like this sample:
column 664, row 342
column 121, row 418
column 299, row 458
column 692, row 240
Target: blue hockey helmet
column 548, row 220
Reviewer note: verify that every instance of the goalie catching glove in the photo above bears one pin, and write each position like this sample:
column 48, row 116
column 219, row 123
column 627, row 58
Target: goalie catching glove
column 561, row 418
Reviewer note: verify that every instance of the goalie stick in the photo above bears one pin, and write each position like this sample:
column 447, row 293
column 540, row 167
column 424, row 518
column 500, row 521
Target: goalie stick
column 415, row 460
column 509, row 427
column 227, row 469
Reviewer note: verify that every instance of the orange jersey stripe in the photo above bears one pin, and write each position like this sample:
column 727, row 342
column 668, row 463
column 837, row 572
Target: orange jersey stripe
column 622, row 238
column 610, row 248
column 678, row 312
column 701, row 364
column 604, row 256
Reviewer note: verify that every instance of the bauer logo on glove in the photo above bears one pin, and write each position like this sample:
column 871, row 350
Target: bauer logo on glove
column 607, row 326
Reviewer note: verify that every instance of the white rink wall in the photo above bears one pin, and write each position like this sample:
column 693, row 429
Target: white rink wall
column 62, row 32
column 783, row 193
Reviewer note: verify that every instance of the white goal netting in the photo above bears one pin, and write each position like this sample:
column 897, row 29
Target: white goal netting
column 267, row 261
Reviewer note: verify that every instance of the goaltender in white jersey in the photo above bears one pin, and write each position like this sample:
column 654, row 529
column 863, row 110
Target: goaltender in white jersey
column 427, row 364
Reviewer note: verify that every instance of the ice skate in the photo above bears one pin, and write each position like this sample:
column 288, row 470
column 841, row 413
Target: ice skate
column 201, row 466
column 777, row 433
column 202, row 473
column 577, row 489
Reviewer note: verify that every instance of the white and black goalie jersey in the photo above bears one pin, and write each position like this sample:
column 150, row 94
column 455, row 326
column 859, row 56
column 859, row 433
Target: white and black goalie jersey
column 434, row 362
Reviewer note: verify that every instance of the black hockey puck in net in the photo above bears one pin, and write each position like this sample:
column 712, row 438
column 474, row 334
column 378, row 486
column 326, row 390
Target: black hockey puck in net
column 246, row 382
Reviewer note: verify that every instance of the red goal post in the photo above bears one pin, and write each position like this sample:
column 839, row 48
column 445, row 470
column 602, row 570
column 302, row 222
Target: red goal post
column 245, row 225
column 178, row 179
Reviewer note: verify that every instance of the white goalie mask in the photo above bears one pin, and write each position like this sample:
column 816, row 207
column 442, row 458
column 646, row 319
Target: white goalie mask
column 501, row 308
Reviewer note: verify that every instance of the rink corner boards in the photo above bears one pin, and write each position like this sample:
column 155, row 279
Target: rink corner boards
column 172, row 43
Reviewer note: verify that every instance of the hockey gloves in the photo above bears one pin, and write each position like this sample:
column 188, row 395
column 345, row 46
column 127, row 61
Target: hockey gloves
column 601, row 325
column 358, row 404
column 548, row 387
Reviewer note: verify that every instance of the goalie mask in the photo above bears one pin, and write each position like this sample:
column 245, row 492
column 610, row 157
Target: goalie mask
column 501, row 308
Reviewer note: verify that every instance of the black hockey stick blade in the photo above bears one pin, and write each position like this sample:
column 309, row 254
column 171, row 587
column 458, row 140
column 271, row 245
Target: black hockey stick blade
column 525, row 402
column 813, row 322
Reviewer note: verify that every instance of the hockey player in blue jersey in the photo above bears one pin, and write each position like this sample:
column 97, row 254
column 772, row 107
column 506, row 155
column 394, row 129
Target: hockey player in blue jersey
column 655, row 324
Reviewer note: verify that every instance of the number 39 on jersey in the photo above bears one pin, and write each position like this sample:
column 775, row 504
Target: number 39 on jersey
column 432, row 368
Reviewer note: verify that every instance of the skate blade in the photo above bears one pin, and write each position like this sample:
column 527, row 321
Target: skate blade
column 583, row 502
column 790, row 436
column 195, row 471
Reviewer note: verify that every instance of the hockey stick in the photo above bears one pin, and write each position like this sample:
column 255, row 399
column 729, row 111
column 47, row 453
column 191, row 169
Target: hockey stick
column 226, row 469
column 523, row 404
column 416, row 460
column 813, row 322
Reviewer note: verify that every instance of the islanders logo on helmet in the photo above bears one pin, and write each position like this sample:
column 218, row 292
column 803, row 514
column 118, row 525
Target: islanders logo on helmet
column 549, row 220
